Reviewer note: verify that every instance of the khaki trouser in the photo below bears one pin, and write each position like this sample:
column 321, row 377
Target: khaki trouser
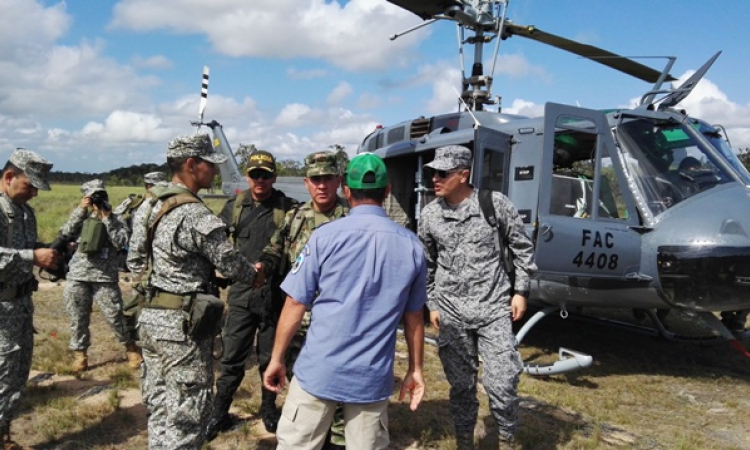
column 305, row 420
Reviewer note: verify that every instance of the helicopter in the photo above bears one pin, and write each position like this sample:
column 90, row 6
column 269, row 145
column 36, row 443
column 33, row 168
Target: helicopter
column 232, row 179
column 617, row 217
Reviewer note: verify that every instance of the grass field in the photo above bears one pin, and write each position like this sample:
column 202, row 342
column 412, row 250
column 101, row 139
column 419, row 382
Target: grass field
column 641, row 393
column 53, row 207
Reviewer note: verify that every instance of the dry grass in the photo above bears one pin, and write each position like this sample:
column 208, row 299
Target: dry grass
column 641, row 393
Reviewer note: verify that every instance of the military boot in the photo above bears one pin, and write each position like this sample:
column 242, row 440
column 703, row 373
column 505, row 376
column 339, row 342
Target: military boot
column 133, row 353
column 220, row 419
column 80, row 361
column 269, row 414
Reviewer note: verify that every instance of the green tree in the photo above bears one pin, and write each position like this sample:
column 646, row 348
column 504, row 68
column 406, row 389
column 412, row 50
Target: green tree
column 242, row 154
column 290, row 168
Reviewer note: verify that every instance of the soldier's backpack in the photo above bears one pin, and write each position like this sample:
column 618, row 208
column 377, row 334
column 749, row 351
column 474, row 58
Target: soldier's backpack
column 132, row 308
column 135, row 201
column 501, row 237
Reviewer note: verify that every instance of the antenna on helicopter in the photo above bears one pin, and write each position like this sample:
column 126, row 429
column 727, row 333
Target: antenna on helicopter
column 204, row 98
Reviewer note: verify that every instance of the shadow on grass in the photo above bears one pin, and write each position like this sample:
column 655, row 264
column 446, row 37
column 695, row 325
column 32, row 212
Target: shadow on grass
column 115, row 429
column 618, row 351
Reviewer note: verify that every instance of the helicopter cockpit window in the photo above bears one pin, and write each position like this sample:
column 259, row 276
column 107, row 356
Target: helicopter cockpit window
column 666, row 164
column 574, row 178
column 723, row 147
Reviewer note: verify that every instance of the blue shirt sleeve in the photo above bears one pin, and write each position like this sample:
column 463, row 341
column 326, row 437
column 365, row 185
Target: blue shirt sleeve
column 302, row 281
column 418, row 291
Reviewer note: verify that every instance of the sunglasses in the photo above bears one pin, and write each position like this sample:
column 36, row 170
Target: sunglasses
column 260, row 174
column 445, row 173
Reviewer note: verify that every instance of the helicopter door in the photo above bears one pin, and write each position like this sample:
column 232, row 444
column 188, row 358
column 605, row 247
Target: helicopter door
column 491, row 160
column 584, row 238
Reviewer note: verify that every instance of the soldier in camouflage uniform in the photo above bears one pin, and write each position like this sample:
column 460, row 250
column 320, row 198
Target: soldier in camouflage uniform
column 94, row 276
column 23, row 175
column 132, row 202
column 470, row 298
column 127, row 209
column 322, row 178
column 189, row 244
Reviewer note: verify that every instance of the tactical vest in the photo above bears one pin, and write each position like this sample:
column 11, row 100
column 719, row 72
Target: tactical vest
column 278, row 213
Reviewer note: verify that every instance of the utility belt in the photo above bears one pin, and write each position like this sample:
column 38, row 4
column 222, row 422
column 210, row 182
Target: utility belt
column 8, row 293
column 203, row 312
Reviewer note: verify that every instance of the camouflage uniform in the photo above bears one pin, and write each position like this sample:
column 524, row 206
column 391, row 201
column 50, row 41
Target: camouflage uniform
column 16, row 284
column 473, row 298
column 94, row 277
column 285, row 246
column 189, row 244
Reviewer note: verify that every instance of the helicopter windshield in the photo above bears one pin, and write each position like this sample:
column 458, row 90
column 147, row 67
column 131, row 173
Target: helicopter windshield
column 726, row 151
column 667, row 165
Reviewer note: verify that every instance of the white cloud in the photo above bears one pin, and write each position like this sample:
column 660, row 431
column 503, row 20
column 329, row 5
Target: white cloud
column 353, row 36
column 295, row 115
column 339, row 93
column 525, row 108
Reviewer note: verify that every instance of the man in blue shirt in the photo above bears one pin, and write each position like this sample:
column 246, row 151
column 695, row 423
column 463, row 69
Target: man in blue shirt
column 360, row 274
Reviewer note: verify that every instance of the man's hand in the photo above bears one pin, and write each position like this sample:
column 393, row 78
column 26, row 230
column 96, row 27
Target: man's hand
column 274, row 378
column 46, row 258
column 260, row 275
column 86, row 202
column 413, row 385
column 517, row 307
column 435, row 320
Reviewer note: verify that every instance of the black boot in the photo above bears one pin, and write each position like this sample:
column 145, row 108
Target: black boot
column 220, row 419
column 268, row 412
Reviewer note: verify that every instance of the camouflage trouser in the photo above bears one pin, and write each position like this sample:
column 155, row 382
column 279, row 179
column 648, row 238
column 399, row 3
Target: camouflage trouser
column 16, row 345
column 295, row 347
column 79, row 297
column 502, row 365
column 177, row 380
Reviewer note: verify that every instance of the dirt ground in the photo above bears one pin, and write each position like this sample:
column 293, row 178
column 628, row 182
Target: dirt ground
column 641, row 392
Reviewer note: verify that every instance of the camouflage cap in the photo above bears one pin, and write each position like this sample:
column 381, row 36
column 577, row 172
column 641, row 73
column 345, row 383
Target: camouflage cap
column 154, row 177
column 321, row 163
column 261, row 159
column 89, row 187
column 450, row 157
column 194, row 146
column 34, row 166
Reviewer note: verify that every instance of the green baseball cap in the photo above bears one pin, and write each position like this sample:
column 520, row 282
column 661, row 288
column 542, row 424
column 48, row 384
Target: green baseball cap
column 366, row 171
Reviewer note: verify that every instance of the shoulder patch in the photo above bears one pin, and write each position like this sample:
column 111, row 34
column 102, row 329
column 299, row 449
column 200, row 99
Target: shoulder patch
column 301, row 258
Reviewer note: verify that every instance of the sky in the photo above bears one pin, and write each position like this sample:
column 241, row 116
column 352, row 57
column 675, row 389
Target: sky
column 97, row 85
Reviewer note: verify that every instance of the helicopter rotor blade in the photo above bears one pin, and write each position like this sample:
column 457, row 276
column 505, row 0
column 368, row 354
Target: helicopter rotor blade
column 609, row 59
column 426, row 9
column 204, row 94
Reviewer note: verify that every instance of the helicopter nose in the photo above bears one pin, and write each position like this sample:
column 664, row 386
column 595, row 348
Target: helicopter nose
column 703, row 251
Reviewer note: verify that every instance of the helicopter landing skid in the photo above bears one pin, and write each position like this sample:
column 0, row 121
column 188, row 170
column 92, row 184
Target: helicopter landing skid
column 569, row 360
column 708, row 319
